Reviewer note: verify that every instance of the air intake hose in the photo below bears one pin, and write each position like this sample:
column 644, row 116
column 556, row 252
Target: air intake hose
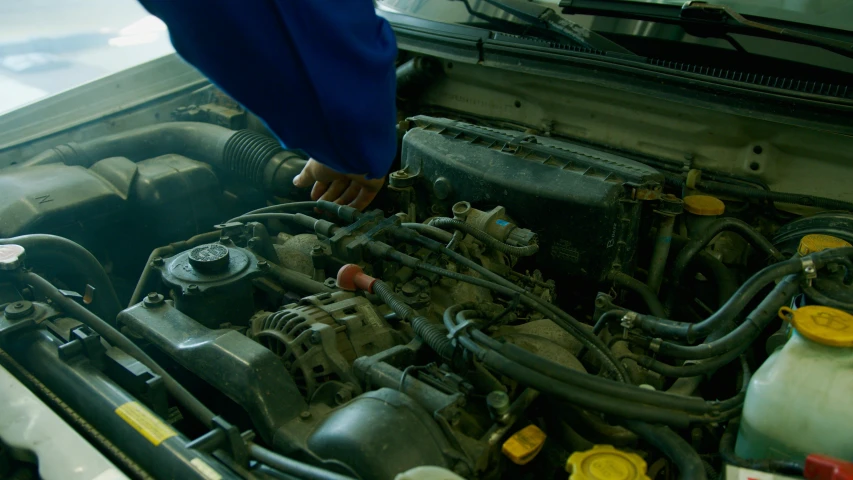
column 254, row 157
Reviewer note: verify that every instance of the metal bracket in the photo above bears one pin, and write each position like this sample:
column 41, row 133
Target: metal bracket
column 235, row 441
column 455, row 331
column 809, row 270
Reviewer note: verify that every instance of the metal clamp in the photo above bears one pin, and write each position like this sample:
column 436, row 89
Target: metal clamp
column 629, row 319
column 455, row 331
column 809, row 269
column 655, row 344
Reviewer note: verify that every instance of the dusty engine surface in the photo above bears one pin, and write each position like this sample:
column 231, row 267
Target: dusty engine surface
column 506, row 305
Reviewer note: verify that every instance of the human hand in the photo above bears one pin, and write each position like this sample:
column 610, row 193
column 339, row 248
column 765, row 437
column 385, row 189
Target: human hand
column 355, row 190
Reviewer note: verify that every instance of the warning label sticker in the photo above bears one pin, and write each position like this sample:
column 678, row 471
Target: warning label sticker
column 145, row 422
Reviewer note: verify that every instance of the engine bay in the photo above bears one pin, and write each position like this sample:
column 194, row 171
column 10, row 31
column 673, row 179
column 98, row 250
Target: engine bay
column 514, row 304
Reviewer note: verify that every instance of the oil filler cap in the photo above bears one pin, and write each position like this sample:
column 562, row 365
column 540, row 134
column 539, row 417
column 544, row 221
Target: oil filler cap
column 820, row 324
column 524, row 445
column 817, row 242
column 605, row 462
column 210, row 258
column 704, row 205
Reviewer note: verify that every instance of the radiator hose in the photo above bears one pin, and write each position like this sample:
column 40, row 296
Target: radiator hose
column 253, row 157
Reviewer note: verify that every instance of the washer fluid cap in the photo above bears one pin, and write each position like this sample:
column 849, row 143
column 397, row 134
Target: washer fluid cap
column 816, row 242
column 824, row 325
column 704, row 205
column 604, row 462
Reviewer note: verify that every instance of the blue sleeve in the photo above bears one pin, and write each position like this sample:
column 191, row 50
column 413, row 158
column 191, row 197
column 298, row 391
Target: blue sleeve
column 319, row 73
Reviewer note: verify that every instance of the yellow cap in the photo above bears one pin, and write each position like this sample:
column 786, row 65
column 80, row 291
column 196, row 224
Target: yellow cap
column 604, row 462
column 817, row 242
column 821, row 324
column 704, row 205
column 523, row 446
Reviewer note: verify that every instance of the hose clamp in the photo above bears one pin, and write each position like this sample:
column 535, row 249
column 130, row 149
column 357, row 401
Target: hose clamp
column 629, row 319
column 654, row 344
column 809, row 270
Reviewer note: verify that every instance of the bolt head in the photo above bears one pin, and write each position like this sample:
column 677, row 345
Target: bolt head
column 263, row 265
column 158, row 261
column 193, row 288
column 19, row 309
column 305, row 415
column 153, row 299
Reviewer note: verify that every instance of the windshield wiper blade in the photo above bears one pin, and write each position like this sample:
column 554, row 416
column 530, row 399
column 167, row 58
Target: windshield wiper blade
column 702, row 19
column 546, row 18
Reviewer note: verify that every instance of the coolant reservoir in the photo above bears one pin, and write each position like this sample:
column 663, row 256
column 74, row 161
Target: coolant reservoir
column 799, row 400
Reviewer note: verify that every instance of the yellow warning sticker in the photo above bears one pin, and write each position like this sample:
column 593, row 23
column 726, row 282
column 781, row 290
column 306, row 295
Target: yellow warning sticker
column 145, row 422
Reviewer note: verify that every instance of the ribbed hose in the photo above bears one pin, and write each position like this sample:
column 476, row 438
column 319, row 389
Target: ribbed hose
column 781, row 197
column 247, row 153
column 431, row 334
column 488, row 240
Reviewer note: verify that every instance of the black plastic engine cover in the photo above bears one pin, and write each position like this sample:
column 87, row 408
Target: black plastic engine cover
column 578, row 199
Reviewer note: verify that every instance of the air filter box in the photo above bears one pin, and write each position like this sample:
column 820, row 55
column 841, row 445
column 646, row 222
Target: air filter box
column 582, row 202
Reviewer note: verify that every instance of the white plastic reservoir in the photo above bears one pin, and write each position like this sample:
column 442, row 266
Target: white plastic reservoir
column 800, row 401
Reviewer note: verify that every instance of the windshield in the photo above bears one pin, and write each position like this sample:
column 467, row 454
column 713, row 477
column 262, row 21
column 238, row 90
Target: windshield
column 48, row 46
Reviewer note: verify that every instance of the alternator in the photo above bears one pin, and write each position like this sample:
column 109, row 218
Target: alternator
column 319, row 337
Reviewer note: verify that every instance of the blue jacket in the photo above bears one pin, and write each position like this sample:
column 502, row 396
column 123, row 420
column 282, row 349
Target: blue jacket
column 320, row 73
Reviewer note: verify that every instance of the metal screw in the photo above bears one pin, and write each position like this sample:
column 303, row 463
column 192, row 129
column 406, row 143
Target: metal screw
column 193, row 288
column 423, row 296
column 263, row 265
column 305, row 415
column 317, row 250
column 158, row 261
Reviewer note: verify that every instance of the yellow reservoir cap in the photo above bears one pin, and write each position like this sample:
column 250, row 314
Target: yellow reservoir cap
column 704, row 205
column 824, row 325
column 817, row 242
column 604, row 462
column 524, row 445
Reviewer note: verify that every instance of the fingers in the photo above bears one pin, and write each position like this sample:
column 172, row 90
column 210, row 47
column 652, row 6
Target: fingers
column 349, row 194
column 306, row 177
column 318, row 190
column 363, row 199
column 336, row 188
column 355, row 190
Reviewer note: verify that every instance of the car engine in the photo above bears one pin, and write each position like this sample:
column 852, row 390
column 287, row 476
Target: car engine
column 506, row 288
